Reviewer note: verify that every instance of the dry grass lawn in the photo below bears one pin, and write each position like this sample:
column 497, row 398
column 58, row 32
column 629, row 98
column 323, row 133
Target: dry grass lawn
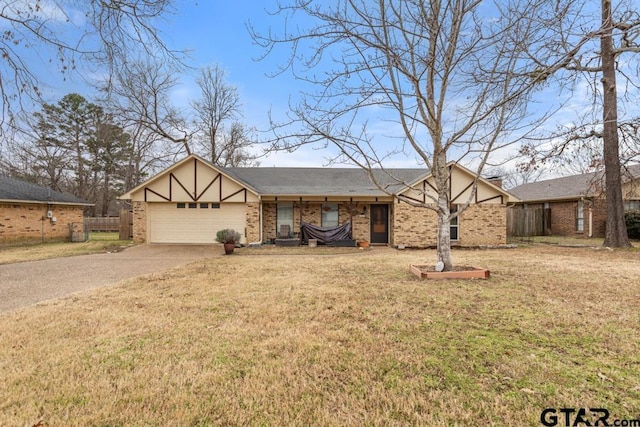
column 345, row 339
column 11, row 254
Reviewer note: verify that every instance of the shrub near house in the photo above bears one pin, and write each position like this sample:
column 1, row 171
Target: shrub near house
column 632, row 219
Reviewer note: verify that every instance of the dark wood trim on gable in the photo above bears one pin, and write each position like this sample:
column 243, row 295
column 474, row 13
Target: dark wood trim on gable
column 432, row 187
column 156, row 193
column 465, row 189
column 195, row 196
column 233, row 194
column 172, row 177
column 424, row 191
column 408, row 198
column 492, row 198
column 219, row 176
column 195, row 179
column 450, row 180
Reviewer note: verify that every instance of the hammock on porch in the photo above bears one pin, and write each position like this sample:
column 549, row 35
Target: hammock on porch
column 325, row 235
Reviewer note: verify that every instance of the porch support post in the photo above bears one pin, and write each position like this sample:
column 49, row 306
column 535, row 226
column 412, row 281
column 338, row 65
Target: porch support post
column 351, row 217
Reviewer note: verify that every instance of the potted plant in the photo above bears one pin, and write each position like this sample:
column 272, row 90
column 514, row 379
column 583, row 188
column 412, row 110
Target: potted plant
column 228, row 237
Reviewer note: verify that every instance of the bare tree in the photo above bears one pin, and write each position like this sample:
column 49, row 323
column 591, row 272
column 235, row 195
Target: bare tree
column 149, row 154
column 512, row 178
column 451, row 86
column 69, row 34
column 235, row 146
column 218, row 103
column 27, row 157
column 140, row 95
column 593, row 47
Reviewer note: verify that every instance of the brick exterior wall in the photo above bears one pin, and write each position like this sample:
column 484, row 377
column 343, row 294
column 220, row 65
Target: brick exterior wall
column 409, row 226
column 312, row 214
column 413, row 227
column 139, row 222
column 484, row 224
column 563, row 218
column 269, row 221
column 253, row 222
column 361, row 229
column 599, row 213
column 24, row 223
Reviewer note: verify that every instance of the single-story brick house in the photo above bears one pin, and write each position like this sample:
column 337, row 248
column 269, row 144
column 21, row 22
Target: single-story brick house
column 191, row 200
column 575, row 205
column 31, row 213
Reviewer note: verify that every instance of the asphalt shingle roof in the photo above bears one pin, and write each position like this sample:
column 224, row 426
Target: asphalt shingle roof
column 568, row 187
column 12, row 189
column 323, row 181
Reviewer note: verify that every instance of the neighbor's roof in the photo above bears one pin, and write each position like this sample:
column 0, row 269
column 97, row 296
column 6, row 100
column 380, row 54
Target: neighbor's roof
column 568, row 187
column 324, row 181
column 15, row 190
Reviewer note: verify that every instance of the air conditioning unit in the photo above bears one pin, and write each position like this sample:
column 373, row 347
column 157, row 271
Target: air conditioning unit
column 49, row 214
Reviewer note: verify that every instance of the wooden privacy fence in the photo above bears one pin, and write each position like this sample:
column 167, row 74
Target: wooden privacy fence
column 525, row 222
column 105, row 224
column 109, row 226
column 126, row 225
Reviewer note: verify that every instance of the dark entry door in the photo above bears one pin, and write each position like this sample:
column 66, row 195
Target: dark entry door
column 379, row 223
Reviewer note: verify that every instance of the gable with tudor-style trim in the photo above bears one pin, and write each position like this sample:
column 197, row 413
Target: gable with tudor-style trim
column 462, row 180
column 192, row 180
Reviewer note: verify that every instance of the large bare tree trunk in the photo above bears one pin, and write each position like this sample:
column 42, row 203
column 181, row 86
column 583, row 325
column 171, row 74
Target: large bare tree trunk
column 616, row 230
column 444, row 235
column 443, row 183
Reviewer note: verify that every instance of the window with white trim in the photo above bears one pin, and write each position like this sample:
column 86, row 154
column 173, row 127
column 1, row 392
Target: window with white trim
column 453, row 225
column 632, row 205
column 580, row 216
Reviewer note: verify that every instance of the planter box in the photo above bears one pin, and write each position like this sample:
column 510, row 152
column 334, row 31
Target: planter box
column 287, row 242
column 426, row 272
column 344, row 243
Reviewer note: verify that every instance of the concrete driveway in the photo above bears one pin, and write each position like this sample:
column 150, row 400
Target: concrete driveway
column 27, row 283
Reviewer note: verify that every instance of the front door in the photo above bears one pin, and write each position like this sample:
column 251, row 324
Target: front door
column 379, row 223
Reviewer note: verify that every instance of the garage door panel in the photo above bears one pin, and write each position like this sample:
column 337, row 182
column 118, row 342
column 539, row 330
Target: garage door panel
column 170, row 224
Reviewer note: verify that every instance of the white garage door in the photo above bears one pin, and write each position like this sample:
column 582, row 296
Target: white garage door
column 193, row 222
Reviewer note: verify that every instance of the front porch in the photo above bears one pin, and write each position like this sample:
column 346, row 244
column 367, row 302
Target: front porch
column 370, row 219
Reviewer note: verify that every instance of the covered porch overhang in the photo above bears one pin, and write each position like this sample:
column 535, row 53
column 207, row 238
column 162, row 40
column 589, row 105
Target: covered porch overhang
column 327, row 198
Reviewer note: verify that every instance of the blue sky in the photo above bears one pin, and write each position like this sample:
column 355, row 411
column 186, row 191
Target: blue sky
column 214, row 32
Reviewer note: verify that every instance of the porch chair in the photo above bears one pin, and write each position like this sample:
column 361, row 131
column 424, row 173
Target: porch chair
column 285, row 232
column 285, row 237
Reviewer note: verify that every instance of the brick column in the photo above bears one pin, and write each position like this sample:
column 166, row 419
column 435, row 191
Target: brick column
column 139, row 222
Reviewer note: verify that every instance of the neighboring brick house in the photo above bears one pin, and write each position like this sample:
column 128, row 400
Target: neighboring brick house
column 576, row 204
column 31, row 213
column 191, row 200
